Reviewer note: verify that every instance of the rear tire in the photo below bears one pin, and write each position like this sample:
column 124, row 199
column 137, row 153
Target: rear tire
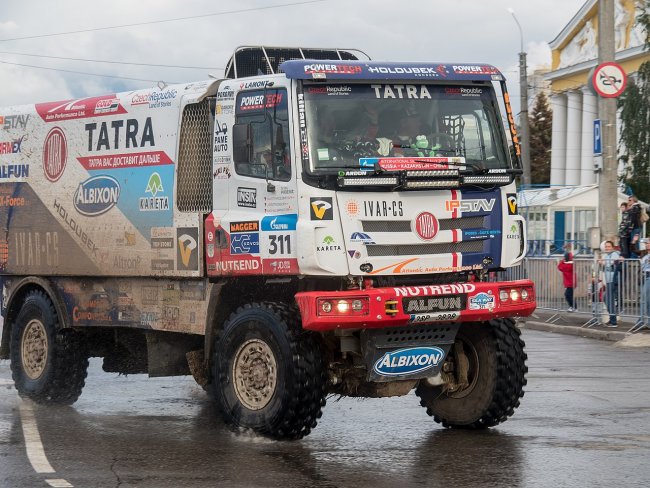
column 268, row 373
column 48, row 364
column 496, row 378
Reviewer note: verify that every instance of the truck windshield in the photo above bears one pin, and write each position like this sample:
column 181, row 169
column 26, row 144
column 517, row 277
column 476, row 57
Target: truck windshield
column 349, row 122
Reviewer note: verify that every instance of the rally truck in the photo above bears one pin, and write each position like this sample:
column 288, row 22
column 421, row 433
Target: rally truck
column 275, row 233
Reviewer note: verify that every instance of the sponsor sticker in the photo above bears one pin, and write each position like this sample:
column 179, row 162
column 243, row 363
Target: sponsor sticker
column 409, row 361
column 361, row 237
column 245, row 243
column 10, row 171
column 320, row 208
column 479, row 205
column 481, row 301
column 97, row 195
column 425, row 226
column 187, row 254
column 434, row 304
column 247, row 197
column 154, row 203
column 18, row 121
column 55, row 154
column 11, row 147
column 434, row 290
column 279, row 222
column 511, row 199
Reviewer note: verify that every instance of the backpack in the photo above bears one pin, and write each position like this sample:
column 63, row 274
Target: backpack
column 643, row 216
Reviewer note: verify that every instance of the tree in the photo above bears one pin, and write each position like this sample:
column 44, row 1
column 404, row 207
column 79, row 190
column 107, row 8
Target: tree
column 634, row 140
column 540, row 123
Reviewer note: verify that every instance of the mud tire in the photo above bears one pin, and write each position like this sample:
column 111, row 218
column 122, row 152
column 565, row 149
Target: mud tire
column 287, row 367
column 48, row 364
column 496, row 378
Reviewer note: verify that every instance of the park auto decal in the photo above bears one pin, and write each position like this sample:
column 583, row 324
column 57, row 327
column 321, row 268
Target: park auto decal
column 408, row 361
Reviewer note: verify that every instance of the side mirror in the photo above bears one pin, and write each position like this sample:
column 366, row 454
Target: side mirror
column 242, row 144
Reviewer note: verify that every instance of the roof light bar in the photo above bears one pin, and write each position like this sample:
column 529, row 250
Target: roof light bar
column 433, row 184
column 487, row 179
column 432, row 173
column 366, row 181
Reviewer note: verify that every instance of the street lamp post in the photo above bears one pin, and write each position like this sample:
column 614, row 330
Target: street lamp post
column 523, row 114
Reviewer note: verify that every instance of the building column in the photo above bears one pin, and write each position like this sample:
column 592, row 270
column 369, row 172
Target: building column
column 573, row 137
column 558, row 139
column 589, row 112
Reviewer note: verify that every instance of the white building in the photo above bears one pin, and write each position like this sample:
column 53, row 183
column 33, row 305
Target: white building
column 574, row 105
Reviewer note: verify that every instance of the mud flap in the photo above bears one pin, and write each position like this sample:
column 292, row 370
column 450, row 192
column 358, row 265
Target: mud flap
column 406, row 353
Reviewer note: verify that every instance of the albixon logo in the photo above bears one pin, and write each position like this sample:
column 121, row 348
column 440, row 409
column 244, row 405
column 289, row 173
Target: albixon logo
column 409, row 361
column 97, row 195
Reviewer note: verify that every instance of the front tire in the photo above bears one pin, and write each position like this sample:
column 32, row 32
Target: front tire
column 495, row 362
column 48, row 364
column 268, row 373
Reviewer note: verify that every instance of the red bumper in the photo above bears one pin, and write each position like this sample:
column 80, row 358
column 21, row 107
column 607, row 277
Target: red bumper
column 392, row 307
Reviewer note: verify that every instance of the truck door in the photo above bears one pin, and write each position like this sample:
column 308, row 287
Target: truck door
column 257, row 232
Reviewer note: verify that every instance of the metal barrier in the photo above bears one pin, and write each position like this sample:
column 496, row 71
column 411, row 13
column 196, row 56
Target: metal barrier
column 592, row 292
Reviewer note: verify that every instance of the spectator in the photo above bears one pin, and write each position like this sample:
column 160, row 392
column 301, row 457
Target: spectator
column 569, row 279
column 610, row 262
column 625, row 231
column 644, row 318
column 634, row 211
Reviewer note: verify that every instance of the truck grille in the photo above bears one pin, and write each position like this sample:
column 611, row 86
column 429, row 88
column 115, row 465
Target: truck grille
column 378, row 250
column 195, row 159
column 405, row 225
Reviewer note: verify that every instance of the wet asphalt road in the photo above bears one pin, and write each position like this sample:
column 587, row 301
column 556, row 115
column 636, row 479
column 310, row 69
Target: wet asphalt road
column 584, row 422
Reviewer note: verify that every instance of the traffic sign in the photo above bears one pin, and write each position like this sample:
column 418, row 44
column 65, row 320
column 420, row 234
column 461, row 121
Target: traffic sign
column 609, row 80
column 598, row 141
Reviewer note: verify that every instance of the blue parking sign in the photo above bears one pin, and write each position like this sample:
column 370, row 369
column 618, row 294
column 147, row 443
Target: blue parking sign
column 598, row 139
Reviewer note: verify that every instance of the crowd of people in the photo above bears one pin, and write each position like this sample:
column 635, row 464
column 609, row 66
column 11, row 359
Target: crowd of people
column 606, row 285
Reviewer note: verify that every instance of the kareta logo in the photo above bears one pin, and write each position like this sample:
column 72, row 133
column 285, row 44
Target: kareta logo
column 154, row 203
column 97, row 195
column 409, row 361
column 154, row 185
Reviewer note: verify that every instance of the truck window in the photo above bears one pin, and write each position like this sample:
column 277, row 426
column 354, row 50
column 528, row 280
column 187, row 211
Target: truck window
column 348, row 122
column 267, row 113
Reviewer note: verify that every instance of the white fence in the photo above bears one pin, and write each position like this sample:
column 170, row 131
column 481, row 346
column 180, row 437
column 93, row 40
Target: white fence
column 591, row 295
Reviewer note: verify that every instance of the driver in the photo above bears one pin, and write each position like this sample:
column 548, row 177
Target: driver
column 414, row 138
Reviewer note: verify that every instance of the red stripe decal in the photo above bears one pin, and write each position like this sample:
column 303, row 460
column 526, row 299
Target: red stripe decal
column 454, row 260
column 454, row 197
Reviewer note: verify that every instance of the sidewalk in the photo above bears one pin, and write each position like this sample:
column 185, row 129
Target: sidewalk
column 571, row 323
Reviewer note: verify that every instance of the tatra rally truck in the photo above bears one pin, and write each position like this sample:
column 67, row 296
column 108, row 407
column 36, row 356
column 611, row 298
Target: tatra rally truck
column 315, row 223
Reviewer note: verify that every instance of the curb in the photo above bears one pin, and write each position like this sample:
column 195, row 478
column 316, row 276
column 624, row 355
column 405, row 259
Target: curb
column 603, row 335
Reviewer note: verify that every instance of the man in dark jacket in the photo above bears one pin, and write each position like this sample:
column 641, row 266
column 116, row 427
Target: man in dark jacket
column 625, row 231
column 634, row 211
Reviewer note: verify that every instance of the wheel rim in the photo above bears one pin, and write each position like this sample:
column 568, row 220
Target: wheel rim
column 34, row 349
column 472, row 373
column 255, row 374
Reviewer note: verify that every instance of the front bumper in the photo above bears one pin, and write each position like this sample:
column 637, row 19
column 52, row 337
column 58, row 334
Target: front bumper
column 373, row 308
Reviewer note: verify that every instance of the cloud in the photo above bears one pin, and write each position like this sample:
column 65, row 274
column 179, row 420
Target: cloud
column 417, row 30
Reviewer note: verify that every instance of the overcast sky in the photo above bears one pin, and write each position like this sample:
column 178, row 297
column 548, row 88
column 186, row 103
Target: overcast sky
column 406, row 30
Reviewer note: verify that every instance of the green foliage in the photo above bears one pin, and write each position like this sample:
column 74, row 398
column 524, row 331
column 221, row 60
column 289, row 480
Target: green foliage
column 540, row 122
column 634, row 140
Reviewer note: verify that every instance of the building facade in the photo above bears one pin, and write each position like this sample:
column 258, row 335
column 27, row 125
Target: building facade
column 574, row 104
